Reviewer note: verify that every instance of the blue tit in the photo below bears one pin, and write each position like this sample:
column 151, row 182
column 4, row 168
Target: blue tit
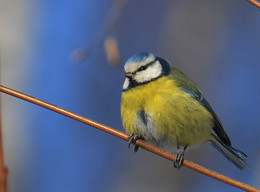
column 162, row 106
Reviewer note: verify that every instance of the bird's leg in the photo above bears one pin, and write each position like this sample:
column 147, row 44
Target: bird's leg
column 132, row 140
column 177, row 163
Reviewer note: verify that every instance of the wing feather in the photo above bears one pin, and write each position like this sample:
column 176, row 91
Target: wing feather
column 190, row 87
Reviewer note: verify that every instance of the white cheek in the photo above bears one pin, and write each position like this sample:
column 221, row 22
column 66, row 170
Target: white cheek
column 150, row 73
column 126, row 83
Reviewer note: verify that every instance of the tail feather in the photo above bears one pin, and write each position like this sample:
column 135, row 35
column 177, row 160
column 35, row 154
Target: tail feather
column 237, row 157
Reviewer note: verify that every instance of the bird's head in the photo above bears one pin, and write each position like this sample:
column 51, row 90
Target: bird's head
column 142, row 68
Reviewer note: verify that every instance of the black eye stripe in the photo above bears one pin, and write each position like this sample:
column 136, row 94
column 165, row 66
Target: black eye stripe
column 142, row 68
column 146, row 66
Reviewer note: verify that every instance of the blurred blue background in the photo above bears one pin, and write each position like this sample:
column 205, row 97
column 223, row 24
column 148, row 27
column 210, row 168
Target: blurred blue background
column 54, row 50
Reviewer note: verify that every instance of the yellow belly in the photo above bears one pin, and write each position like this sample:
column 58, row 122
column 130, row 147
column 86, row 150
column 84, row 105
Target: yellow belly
column 176, row 115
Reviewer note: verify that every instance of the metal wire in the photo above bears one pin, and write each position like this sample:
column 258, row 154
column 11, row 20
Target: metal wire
column 255, row 3
column 126, row 137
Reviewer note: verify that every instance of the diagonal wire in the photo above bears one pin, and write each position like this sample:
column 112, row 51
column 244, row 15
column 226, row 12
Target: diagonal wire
column 126, row 137
column 255, row 3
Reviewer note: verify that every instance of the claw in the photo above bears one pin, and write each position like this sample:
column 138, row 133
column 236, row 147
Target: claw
column 132, row 140
column 178, row 161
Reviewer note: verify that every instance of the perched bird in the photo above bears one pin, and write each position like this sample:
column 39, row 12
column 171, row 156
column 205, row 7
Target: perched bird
column 162, row 106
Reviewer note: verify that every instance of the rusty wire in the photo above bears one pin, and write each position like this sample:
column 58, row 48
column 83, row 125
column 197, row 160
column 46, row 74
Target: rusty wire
column 255, row 3
column 126, row 137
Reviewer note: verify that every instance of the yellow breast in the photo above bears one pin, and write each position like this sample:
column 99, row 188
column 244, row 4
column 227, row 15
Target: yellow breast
column 175, row 114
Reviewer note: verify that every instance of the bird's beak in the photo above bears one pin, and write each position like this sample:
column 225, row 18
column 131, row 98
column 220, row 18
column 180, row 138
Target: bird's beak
column 129, row 75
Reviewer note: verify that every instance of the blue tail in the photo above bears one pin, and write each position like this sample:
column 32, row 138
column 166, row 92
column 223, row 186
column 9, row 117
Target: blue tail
column 237, row 157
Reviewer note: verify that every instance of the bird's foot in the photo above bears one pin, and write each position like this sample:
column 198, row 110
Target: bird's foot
column 178, row 161
column 132, row 140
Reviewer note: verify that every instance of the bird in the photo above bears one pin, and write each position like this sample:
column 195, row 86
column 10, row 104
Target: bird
column 164, row 107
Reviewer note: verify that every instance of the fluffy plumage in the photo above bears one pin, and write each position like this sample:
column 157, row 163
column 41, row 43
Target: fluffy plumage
column 162, row 105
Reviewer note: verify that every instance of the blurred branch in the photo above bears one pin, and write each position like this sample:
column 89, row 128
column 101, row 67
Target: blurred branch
column 255, row 3
column 126, row 137
column 112, row 51
column 3, row 169
column 107, row 25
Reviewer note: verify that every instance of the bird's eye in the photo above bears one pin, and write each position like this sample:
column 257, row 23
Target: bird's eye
column 142, row 68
